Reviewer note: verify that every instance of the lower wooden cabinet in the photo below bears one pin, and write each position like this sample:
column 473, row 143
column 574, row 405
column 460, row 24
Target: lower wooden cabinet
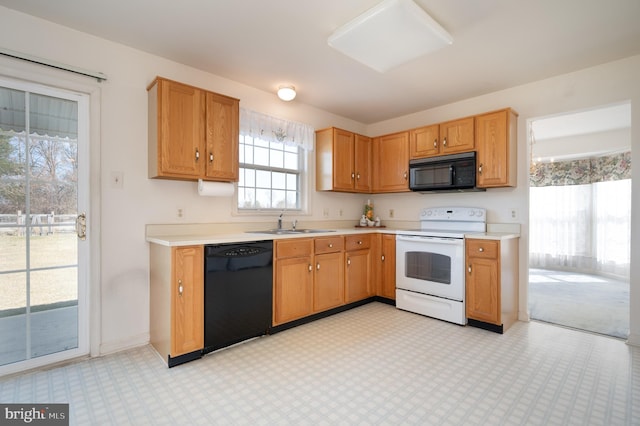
column 293, row 280
column 492, row 283
column 328, row 286
column 177, row 300
column 387, row 269
column 357, row 281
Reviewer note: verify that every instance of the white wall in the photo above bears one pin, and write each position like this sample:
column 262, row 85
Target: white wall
column 123, row 279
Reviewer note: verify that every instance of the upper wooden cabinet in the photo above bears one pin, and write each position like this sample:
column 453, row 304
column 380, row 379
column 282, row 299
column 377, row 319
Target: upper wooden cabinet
column 343, row 161
column 440, row 139
column 391, row 163
column 496, row 141
column 193, row 134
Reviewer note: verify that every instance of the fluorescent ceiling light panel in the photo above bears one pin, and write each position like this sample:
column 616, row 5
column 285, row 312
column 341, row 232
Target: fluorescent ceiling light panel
column 390, row 34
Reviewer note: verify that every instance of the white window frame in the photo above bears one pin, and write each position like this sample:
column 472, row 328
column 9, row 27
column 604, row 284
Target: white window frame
column 303, row 187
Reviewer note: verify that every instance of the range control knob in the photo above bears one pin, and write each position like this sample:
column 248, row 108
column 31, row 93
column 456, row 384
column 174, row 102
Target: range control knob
column 472, row 213
column 480, row 213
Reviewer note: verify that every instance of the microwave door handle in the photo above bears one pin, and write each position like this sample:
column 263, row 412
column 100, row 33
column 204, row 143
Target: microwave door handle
column 452, row 175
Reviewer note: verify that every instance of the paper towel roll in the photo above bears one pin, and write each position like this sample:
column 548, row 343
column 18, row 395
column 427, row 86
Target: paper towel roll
column 215, row 189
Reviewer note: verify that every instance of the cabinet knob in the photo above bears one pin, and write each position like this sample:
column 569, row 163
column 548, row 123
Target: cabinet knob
column 197, row 154
column 211, row 157
column 382, row 257
column 180, row 287
column 348, row 262
column 358, row 176
column 469, row 268
column 480, row 249
column 359, row 243
column 435, row 143
column 310, row 267
column 353, row 175
column 480, row 168
column 405, row 175
column 444, row 142
column 330, row 245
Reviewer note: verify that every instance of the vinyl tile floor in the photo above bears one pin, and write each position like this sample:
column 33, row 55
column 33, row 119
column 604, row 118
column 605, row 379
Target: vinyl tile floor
column 370, row 365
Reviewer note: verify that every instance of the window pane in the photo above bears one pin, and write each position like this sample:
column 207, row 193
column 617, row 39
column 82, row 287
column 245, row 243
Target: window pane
column 261, row 157
column 292, row 182
column 291, row 160
column 278, row 180
column 263, row 198
column 263, row 179
column 292, row 200
column 250, row 176
column 276, row 159
column 278, row 199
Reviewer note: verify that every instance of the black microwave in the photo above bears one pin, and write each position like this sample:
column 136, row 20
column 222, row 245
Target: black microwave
column 445, row 173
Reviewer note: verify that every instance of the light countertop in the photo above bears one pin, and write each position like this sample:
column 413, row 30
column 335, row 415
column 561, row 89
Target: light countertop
column 235, row 236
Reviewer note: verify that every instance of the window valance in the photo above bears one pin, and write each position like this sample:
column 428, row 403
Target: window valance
column 581, row 172
column 275, row 129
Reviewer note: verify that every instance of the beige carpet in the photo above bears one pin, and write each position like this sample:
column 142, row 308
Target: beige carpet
column 586, row 302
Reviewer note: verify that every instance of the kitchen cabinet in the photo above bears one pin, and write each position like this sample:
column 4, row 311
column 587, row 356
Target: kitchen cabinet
column 177, row 301
column 358, row 267
column 492, row 283
column 496, row 141
column 391, row 163
column 387, row 272
column 440, row 139
column 193, row 133
column 293, row 280
column 328, row 285
column 343, row 161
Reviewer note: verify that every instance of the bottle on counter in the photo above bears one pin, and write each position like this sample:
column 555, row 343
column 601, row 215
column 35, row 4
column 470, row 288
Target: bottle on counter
column 363, row 221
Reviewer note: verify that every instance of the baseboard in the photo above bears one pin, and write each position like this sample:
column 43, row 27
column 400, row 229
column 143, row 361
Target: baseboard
column 122, row 345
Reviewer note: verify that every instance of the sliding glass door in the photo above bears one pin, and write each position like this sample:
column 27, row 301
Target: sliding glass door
column 43, row 199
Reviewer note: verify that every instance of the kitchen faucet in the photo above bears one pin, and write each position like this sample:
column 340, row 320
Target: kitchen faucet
column 280, row 221
column 294, row 223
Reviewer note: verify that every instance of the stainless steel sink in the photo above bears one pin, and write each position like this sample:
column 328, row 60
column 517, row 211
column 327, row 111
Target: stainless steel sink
column 290, row 231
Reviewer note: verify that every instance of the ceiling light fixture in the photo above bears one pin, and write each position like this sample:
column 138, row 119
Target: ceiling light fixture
column 390, row 34
column 286, row 93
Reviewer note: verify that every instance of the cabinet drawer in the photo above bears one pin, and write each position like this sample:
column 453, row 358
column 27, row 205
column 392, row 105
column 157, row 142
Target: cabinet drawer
column 487, row 249
column 294, row 248
column 329, row 244
column 357, row 242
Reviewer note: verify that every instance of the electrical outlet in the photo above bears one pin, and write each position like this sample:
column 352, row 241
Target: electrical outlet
column 325, row 212
column 340, row 213
column 391, row 213
column 180, row 213
column 513, row 213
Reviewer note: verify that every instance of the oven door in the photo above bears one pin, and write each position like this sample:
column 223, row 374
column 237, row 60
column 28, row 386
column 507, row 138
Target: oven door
column 430, row 265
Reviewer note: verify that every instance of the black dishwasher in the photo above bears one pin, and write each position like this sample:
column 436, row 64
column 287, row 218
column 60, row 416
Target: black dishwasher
column 237, row 292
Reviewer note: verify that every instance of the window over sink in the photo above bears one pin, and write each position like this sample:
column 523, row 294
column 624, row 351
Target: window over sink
column 273, row 163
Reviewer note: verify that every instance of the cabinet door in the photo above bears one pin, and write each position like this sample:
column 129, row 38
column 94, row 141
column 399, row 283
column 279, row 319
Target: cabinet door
column 388, row 272
column 357, row 275
column 187, row 300
column 362, row 161
column 293, row 289
column 343, row 160
column 391, row 159
column 222, row 137
column 482, row 291
column 424, row 142
column 328, row 286
column 495, row 140
column 457, row 136
column 181, row 113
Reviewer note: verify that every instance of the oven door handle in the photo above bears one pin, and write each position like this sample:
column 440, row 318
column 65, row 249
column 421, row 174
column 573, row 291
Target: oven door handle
column 435, row 240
